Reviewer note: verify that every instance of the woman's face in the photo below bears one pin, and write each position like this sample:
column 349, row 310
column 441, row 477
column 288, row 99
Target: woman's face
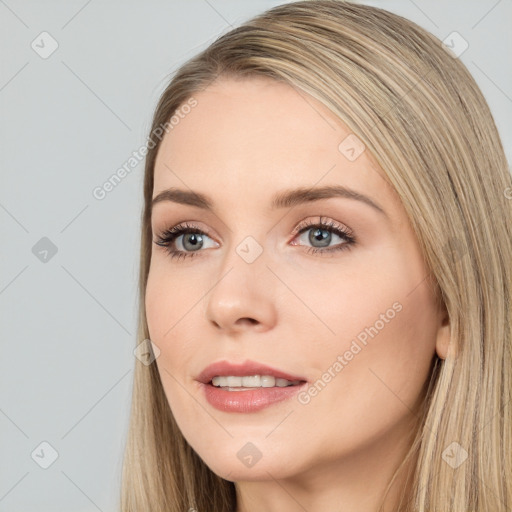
column 346, row 307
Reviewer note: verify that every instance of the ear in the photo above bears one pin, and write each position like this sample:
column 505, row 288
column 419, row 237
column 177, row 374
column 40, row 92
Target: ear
column 443, row 347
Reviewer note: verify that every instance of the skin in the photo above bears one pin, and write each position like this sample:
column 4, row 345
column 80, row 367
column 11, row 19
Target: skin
column 245, row 140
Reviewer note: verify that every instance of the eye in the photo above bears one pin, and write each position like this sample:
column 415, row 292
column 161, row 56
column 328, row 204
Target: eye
column 320, row 235
column 184, row 240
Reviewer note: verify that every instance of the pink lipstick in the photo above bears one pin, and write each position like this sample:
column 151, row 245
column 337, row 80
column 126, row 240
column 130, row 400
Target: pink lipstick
column 247, row 387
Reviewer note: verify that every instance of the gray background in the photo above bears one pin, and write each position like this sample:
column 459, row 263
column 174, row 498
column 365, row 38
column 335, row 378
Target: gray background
column 69, row 121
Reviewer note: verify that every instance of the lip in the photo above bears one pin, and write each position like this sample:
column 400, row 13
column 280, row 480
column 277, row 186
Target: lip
column 246, row 400
column 225, row 368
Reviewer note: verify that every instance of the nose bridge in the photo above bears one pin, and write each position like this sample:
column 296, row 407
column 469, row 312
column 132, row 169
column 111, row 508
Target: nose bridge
column 242, row 292
column 246, row 252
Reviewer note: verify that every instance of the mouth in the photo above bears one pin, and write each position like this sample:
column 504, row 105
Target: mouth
column 247, row 387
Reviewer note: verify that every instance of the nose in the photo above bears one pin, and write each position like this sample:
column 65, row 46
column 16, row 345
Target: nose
column 242, row 296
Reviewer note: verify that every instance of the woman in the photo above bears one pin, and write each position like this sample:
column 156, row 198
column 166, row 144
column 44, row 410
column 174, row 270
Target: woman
column 325, row 276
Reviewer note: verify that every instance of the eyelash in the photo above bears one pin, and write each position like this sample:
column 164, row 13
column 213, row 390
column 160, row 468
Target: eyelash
column 167, row 237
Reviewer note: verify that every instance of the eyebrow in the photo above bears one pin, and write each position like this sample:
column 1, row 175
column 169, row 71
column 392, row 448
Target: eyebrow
column 285, row 199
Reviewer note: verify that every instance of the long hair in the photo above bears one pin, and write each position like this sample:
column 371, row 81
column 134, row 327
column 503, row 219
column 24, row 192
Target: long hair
column 419, row 111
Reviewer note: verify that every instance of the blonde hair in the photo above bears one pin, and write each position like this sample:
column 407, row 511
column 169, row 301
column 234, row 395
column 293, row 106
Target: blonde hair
column 422, row 116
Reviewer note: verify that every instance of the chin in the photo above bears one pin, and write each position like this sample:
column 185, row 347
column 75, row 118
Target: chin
column 247, row 463
column 235, row 473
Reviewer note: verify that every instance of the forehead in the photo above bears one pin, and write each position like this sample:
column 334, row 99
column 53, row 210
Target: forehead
column 256, row 135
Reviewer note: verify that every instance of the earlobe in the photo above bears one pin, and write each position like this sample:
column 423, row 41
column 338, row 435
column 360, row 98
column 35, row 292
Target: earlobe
column 443, row 345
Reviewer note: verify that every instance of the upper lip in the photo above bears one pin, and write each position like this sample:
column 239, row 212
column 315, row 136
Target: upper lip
column 225, row 368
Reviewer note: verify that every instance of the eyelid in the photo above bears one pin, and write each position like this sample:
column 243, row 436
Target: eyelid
column 299, row 227
column 184, row 225
column 326, row 222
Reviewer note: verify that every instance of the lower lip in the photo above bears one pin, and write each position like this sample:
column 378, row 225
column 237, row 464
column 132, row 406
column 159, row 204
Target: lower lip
column 250, row 400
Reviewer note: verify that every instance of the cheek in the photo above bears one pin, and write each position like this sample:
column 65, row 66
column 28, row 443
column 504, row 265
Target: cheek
column 158, row 300
column 168, row 317
column 378, row 299
column 371, row 296
column 376, row 359
column 166, row 313
column 167, row 300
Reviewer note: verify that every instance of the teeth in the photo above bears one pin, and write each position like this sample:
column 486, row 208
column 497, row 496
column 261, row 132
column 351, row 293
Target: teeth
column 234, row 382
column 267, row 381
column 252, row 381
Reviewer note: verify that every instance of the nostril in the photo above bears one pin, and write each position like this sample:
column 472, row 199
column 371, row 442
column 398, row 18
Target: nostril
column 251, row 321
